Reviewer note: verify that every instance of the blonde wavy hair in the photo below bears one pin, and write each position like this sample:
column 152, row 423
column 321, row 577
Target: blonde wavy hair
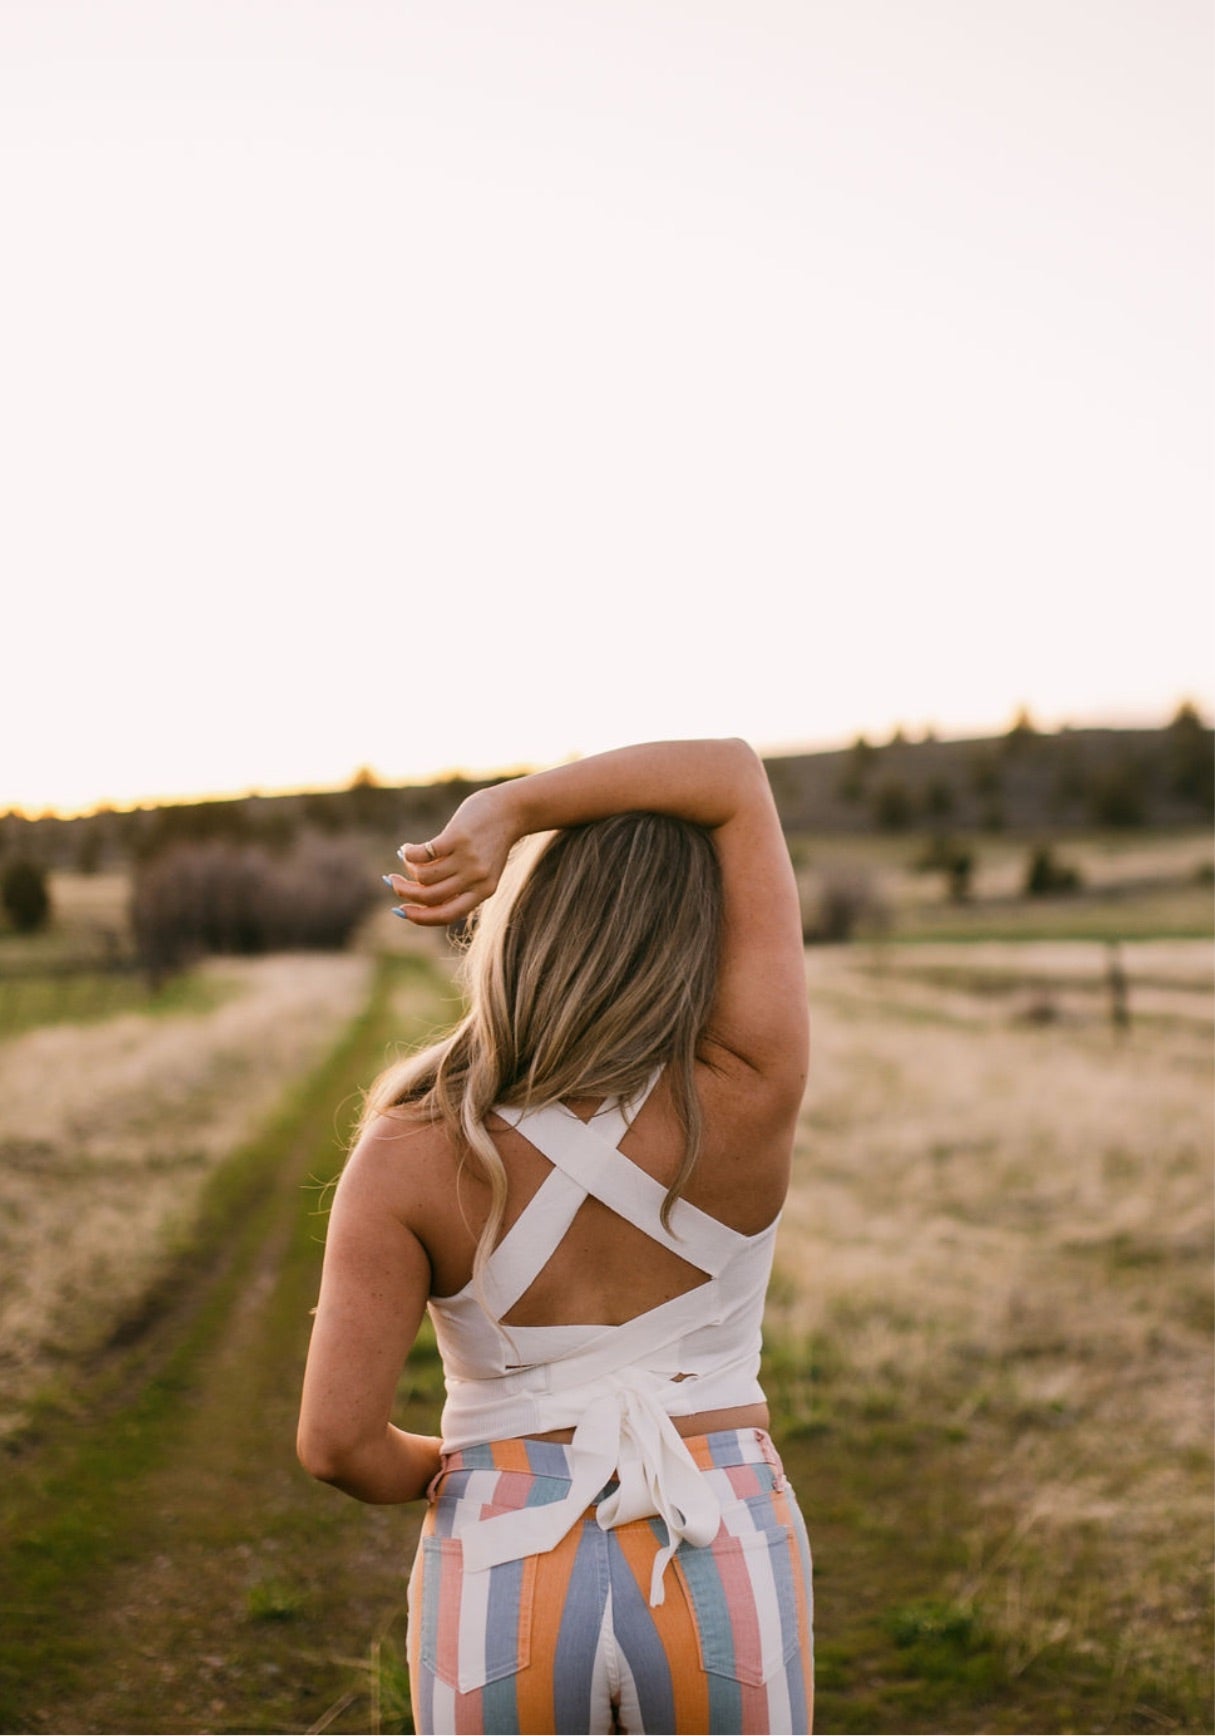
column 594, row 963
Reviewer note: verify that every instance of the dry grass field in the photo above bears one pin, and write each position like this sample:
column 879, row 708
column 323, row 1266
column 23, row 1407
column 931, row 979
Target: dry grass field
column 988, row 1339
column 1132, row 885
column 999, row 1241
column 107, row 1133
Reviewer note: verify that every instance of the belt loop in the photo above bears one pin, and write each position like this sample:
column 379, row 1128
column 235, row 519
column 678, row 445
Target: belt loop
column 767, row 1447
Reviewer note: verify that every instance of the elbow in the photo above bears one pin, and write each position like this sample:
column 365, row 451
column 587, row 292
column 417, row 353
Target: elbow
column 321, row 1458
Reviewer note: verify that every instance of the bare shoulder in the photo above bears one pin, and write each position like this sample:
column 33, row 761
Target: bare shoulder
column 399, row 1160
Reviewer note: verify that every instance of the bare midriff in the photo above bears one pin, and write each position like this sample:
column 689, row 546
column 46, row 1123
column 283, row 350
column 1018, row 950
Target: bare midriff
column 743, row 1416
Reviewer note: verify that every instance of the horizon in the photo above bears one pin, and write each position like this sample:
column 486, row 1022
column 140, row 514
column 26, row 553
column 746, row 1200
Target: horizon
column 911, row 734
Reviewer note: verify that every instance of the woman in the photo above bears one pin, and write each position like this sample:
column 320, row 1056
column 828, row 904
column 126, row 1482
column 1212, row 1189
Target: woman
column 582, row 1182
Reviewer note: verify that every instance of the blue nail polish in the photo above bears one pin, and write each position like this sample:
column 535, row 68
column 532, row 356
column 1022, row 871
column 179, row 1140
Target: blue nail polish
column 387, row 879
column 398, row 911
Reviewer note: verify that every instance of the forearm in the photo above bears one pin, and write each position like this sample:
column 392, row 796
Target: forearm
column 705, row 782
column 396, row 1467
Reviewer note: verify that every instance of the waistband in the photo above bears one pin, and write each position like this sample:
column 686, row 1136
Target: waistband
column 555, row 1459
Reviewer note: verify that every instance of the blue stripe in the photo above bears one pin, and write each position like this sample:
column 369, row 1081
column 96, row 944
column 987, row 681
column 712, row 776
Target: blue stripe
column 478, row 1458
column 579, row 1631
column 425, row 1610
column 499, row 1699
column 548, row 1459
column 545, row 1490
column 716, row 1631
column 638, row 1638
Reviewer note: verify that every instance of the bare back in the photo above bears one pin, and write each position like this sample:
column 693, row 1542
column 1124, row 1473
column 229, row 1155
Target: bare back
column 605, row 1270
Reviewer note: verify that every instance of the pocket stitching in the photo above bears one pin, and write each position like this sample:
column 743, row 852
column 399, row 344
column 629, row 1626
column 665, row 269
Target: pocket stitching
column 769, row 1538
column 433, row 1551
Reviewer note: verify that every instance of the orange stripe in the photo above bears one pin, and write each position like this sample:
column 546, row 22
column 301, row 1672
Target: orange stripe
column 783, row 1509
column 511, row 1456
column 534, row 1685
column 676, row 1628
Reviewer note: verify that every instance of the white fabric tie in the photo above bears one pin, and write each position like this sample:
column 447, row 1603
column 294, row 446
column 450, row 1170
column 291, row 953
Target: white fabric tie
column 625, row 1432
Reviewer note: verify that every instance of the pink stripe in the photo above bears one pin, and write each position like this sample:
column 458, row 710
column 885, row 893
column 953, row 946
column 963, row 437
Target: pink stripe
column 744, row 1479
column 740, row 1600
column 754, row 1708
column 447, row 1634
column 513, row 1489
column 470, row 1720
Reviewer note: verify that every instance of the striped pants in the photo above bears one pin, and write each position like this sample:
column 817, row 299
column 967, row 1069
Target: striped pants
column 567, row 1641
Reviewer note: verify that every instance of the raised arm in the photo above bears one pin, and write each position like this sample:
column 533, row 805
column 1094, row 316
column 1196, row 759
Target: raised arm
column 759, row 1015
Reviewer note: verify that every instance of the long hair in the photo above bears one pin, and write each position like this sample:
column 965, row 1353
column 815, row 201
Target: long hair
column 593, row 964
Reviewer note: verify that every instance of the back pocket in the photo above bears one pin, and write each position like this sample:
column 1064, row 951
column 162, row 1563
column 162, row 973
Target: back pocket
column 743, row 1598
column 475, row 1627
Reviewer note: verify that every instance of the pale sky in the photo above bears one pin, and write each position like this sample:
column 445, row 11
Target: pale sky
column 469, row 384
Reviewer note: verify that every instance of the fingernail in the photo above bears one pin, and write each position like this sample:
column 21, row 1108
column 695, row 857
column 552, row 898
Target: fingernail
column 401, row 852
column 387, row 879
column 398, row 911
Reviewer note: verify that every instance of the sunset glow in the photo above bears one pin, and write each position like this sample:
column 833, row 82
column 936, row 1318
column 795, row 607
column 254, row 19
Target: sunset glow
column 443, row 386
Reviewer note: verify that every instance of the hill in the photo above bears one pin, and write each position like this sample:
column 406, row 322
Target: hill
column 1023, row 782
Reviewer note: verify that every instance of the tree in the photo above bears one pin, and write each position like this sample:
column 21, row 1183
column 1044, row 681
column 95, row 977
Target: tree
column 892, row 806
column 23, row 892
column 1190, row 762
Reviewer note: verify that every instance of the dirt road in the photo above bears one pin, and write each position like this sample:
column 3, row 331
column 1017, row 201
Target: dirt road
column 172, row 1568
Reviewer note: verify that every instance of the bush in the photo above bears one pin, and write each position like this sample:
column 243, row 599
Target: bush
column 24, row 894
column 229, row 898
column 845, row 903
column 1045, row 875
column 943, row 855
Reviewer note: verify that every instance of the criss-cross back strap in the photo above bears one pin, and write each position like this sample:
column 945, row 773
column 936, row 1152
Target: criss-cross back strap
column 586, row 1161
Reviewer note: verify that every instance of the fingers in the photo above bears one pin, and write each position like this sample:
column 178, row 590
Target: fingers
column 440, row 902
column 442, row 915
column 411, row 853
column 414, row 890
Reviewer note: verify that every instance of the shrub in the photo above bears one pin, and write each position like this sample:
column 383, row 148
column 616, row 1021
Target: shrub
column 944, row 856
column 1045, row 875
column 24, row 894
column 231, row 898
column 845, row 903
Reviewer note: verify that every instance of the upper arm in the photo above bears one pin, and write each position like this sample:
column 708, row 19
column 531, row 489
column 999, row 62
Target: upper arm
column 759, row 1012
column 374, row 1286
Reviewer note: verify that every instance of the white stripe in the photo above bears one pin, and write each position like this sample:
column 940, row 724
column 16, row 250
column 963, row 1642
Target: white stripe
column 601, row 1687
column 443, row 1713
column 474, row 1619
